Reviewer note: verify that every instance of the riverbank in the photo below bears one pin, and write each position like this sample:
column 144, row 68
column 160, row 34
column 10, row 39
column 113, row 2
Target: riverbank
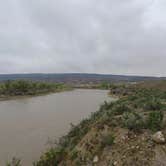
column 5, row 98
column 124, row 132
column 21, row 89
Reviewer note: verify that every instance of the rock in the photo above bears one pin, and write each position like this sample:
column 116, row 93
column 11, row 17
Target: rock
column 124, row 156
column 141, row 152
column 143, row 138
column 158, row 137
column 132, row 147
column 115, row 163
column 95, row 159
column 125, row 138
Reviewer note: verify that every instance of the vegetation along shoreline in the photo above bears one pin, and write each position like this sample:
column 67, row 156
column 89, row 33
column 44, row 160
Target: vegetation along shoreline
column 23, row 88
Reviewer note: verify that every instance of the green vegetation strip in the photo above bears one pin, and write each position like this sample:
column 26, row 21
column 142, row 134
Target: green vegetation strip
column 23, row 88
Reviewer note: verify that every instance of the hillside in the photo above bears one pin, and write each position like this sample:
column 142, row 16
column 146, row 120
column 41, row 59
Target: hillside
column 76, row 79
column 128, row 132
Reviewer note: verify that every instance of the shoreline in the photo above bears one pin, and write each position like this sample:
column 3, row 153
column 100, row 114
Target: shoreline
column 7, row 98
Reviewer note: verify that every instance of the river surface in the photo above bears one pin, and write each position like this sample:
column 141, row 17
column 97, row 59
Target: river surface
column 27, row 124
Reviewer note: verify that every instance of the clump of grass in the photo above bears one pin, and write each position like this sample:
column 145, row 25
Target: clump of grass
column 14, row 162
column 52, row 157
column 107, row 140
column 132, row 121
column 153, row 104
column 106, row 106
column 155, row 120
column 120, row 109
column 74, row 154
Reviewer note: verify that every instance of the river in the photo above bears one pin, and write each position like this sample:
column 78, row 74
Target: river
column 27, row 124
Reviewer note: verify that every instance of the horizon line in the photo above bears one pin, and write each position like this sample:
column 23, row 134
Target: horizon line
column 127, row 75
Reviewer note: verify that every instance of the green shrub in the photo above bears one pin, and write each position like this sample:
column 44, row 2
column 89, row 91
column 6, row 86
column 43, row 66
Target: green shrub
column 73, row 154
column 132, row 121
column 155, row 119
column 77, row 132
column 51, row 158
column 106, row 106
column 132, row 97
column 153, row 104
column 139, row 102
column 105, row 85
column 107, row 140
column 14, row 162
column 120, row 109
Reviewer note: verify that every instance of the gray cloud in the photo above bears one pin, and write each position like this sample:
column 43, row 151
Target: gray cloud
column 108, row 36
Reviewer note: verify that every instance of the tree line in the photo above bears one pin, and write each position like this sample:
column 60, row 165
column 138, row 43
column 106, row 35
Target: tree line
column 25, row 87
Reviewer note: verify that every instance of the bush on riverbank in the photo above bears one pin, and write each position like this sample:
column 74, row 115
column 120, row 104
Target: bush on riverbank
column 133, row 121
column 22, row 87
column 155, row 120
column 14, row 162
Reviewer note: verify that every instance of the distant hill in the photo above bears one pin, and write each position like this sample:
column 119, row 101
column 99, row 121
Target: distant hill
column 77, row 78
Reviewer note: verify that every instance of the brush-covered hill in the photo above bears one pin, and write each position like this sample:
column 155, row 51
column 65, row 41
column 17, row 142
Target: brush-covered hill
column 76, row 78
column 128, row 132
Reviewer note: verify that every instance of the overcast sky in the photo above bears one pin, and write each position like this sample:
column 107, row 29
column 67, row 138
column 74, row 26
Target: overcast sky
column 91, row 36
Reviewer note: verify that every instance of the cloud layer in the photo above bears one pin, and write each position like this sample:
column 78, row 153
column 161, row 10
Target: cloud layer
column 108, row 36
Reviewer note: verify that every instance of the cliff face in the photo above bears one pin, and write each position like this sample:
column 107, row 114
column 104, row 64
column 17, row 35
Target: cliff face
column 127, row 132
